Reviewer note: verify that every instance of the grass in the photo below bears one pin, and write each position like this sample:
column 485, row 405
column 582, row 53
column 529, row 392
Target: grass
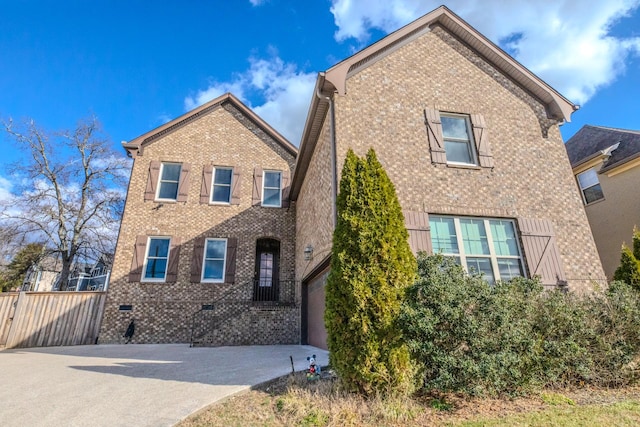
column 294, row 401
column 621, row 414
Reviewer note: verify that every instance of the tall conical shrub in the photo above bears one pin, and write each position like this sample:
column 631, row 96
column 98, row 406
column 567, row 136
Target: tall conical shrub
column 371, row 267
column 629, row 269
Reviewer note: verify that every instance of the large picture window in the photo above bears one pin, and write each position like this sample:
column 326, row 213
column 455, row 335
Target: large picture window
column 590, row 186
column 481, row 245
column 272, row 189
column 222, row 185
column 213, row 266
column 156, row 259
column 458, row 139
column 168, row 182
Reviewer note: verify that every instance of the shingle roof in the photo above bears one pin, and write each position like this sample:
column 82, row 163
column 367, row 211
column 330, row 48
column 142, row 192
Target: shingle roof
column 591, row 140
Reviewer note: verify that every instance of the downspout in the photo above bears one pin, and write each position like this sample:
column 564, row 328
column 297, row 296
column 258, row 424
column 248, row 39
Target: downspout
column 334, row 172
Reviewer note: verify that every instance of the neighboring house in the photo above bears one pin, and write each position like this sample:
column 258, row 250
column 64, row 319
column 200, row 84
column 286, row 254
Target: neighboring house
column 91, row 277
column 42, row 276
column 606, row 164
column 209, row 244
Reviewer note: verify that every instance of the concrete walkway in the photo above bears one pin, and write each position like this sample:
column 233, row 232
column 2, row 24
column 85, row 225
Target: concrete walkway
column 132, row 385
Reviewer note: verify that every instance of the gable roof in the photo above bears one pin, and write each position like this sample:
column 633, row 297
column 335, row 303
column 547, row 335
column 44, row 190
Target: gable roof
column 137, row 145
column 592, row 141
column 334, row 80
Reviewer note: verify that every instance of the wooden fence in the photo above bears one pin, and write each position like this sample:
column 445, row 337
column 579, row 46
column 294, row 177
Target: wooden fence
column 44, row 319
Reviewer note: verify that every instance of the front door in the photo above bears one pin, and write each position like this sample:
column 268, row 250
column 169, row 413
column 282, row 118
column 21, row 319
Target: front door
column 266, row 280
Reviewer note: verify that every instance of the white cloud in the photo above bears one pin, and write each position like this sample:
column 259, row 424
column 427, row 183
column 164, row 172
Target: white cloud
column 164, row 118
column 5, row 189
column 566, row 42
column 284, row 91
column 256, row 2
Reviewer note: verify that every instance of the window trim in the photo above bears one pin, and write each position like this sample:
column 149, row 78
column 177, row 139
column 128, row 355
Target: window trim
column 582, row 190
column 492, row 256
column 161, row 181
column 143, row 277
column 224, row 260
column 264, row 187
column 213, row 185
column 471, row 143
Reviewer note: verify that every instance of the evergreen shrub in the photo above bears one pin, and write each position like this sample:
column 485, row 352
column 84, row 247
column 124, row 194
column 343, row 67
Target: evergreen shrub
column 514, row 337
column 629, row 269
column 371, row 267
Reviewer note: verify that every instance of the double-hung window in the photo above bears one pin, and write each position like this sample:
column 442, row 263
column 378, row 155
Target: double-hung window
column 156, row 260
column 458, row 139
column 168, row 182
column 213, row 266
column 221, row 185
column 272, row 189
column 590, row 186
column 482, row 245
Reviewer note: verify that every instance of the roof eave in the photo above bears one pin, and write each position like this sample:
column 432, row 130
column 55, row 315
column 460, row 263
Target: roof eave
column 137, row 144
column 312, row 127
column 559, row 107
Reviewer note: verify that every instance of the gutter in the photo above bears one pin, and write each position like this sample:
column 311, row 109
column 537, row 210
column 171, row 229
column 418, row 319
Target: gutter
column 334, row 162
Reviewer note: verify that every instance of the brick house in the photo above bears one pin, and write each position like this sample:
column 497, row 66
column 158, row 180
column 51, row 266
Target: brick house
column 208, row 235
column 606, row 164
column 469, row 137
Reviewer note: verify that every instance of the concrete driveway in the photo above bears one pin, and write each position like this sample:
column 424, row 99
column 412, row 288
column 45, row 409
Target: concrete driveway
column 132, row 385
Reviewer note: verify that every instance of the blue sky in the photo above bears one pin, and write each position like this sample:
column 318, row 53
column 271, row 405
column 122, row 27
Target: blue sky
column 136, row 64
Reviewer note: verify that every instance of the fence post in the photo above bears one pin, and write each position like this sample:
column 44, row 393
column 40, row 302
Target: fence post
column 15, row 322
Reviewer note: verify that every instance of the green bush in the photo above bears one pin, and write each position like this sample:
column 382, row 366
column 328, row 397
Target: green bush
column 614, row 321
column 513, row 337
column 629, row 269
column 371, row 266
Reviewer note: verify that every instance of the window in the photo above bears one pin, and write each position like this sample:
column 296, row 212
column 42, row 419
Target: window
column 169, row 180
column 590, row 186
column 213, row 266
column 481, row 245
column 221, row 185
column 458, row 140
column 271, row 190
column 155, row 265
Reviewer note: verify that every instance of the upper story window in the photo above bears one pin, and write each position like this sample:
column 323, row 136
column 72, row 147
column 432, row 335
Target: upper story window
column 213, row 266
column 272, row 189
column 222, row 178
column 458, row 139
column 590, row 186
column 481, row 245
column 156, row 259
column 168, row 182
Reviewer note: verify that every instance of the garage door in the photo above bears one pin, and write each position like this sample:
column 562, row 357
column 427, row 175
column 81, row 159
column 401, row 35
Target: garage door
column 316, row 333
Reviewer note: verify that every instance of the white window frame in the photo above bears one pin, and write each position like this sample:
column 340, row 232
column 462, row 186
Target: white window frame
column 204, row 261
column 213, row 185
column 582, row 190
column 146, row 259
column 493, row 256
column 470, row 141
column 160, row 181
column 264, row 187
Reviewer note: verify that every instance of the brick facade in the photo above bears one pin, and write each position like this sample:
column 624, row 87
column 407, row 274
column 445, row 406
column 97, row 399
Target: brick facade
column 224, row 136
column 384, row 102
column 384, row 108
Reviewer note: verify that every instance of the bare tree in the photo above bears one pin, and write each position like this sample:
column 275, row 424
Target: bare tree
column 68, row 192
